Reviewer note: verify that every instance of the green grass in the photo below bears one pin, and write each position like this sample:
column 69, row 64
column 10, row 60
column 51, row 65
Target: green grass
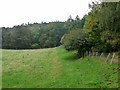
column 55, row 68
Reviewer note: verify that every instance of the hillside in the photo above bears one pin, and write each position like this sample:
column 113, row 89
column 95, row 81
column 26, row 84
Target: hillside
column 55, row 68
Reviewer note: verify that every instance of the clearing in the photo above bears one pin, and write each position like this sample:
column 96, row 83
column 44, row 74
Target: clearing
column 55, row 68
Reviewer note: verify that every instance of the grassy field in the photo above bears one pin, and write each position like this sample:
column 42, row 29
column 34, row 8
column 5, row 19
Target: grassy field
column 55, row 68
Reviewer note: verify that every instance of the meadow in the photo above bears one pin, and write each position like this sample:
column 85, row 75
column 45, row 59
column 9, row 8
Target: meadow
column 55, row 68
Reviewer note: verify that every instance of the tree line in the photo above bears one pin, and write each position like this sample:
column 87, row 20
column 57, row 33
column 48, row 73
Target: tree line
column 101, row 30
column 38, row 35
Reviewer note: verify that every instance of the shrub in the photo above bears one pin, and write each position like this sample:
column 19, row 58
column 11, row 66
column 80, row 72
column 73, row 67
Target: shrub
column 35, row 46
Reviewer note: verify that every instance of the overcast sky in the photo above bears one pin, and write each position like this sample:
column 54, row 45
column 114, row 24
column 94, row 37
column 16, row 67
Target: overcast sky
column 16, row 12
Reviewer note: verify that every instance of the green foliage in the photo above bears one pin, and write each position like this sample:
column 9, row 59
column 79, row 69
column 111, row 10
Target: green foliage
column 35, row 46
column 43, row 35
column 35, row 35
column 77, row 40
column 72, row 24
column 106, row 29
column 101, row 30
column 113, row 39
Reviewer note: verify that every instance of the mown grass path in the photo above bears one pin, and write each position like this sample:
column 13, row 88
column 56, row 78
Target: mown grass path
column 55, row 68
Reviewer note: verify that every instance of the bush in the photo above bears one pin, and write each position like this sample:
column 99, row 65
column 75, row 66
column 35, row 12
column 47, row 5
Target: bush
column 77, row 40
column 35, row 46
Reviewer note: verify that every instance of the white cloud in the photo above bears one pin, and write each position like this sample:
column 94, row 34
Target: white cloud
column 14, row 12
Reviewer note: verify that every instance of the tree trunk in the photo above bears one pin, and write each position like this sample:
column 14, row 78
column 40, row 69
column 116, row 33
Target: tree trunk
column 79, row 53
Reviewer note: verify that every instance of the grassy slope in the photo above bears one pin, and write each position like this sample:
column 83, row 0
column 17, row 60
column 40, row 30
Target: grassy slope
column 54, row 68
